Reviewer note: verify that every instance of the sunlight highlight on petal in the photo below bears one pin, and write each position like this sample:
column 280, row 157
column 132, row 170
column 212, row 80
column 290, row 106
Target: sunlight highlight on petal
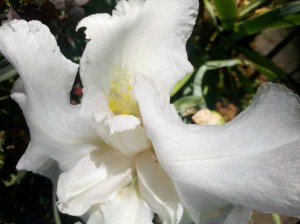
column 208, row 167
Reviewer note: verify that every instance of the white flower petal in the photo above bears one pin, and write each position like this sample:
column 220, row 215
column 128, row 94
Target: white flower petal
column 251, row 161
column 43, row 90
column 141, row 36
column 157, row 189
column 122, row 132
column 96, row 107
column 96, row 178
column 122, row 123
column 131, row 142
column 33, row 158
column 127, row 207
column 66, row 155
column 126, row 134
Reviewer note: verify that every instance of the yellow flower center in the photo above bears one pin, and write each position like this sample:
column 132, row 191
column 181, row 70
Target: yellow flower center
column 121, row 99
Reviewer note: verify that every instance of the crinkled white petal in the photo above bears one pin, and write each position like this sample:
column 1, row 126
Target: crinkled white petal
column 157, row 189
column 96, row 178
column 43, row 91
column 127, row 207
column 131, row 137
column 131, row 142
column 122, row 123
column 252, row 161
column 141, row 36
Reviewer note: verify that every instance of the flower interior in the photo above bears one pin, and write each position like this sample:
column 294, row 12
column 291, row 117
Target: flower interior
column 121, row 99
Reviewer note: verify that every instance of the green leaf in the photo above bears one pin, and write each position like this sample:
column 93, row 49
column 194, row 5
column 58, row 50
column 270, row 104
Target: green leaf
column 14, row 179
column 276, row 218
column 211, row 10
column 222, row 63
column 289, row 21
column 181, row 83
column 290, row 8
column 4, row 98
column 227, row 12
column 266, row 20
column 254, row 4
column 7, row 72
column 210, row 65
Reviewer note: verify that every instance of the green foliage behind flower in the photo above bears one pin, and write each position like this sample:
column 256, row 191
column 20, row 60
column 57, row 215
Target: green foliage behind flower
column 227, row 69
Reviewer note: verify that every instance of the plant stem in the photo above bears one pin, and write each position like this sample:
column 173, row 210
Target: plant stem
column 227, row 12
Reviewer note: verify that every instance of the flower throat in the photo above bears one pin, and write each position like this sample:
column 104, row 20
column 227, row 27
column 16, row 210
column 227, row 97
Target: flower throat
column 121, row 99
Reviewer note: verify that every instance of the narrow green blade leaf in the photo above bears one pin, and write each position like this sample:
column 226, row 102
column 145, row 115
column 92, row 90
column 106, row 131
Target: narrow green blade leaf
column 210, row 65
column 276, row 218
column 227, row 12
column 266, row 20
column 7, row 72
column 211, row 10
column 290, row 8
column 254, row 4
column 289, row 21
column 222, row 63
column 181, row 83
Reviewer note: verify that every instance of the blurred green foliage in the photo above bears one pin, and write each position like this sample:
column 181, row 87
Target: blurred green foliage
column 227, row 73
column 227, row 69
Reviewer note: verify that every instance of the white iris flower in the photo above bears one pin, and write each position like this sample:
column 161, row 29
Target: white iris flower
column 109, row 172
column 108, row 169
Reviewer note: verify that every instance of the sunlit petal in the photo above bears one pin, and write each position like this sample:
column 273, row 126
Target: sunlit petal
column 43, row 91
column 157, row 189
column 127, row 207
column 122, row 132
column 251, row 161
column 122, row 123
column 96, row 178
column 131, row 39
